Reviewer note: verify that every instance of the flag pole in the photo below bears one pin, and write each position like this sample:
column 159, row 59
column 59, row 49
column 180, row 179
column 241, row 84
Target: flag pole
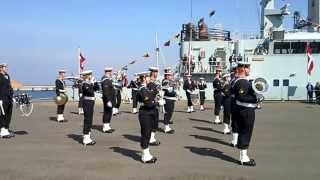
column 157, row 50
column 78, row 59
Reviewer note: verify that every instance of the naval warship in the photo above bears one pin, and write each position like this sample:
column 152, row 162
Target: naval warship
column 276, row 54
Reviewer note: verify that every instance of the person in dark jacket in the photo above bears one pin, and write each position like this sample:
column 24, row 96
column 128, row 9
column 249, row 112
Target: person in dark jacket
column 189, row 86
column 108, row 96
column 317, row 92
column 6, row 103
column 309, row 88
column 60, row 89
column 202, row 86
column 89, row 86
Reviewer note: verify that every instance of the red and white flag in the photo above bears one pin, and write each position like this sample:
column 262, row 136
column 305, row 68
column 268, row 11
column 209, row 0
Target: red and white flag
column 82, row 61
column 310, row 60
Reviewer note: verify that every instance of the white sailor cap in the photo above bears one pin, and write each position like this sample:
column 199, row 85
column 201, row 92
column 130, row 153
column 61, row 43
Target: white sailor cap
column 3, row 65
column 243, row 64
column 143, row 74
column 168, row 73
column 108, row 69
column 167, row 69
column 86, row 72
column 226, row 75
column 201, row 78
column 62, row 71
column 153, row 69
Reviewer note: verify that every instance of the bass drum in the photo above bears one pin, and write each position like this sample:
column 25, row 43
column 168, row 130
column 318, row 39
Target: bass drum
column 195, row 98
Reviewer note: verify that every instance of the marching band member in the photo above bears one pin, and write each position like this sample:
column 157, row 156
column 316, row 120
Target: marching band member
column 246, row 103
column 6, row 103
column 134, row 85
column 217, row 96
column 202, row 86
column 226, row 102
column 170, row 97
column 108, row 95
column 234, row 115
column 189, row 86
column 147, row 115
column 155, row 86
column 118, row 88
column 89, row 86
column 60, row 89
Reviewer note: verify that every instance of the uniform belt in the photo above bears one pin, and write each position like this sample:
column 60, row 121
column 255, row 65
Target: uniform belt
column 89, row 98
column 136, row 89
column 202, row 90
column 170, row 98
column 249, row 105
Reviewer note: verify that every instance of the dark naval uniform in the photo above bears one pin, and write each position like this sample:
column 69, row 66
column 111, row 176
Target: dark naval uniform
column 170, row 97
column 60, row 88
column 217, row 85
column 154, row 87
column 134, row 85
column 88, row 89
column 226, row 102
column 118, row 88
column 234, row 113
column 202, row 91
column 148, row 112
column 189, row 86
column 80, row 104
column 6, row 95
column 246, row 103
column 108, row 97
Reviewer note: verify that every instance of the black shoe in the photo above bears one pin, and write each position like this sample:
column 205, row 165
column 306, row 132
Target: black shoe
column 109, row 131
column 151, row 161
column 170, row 122
column 233, row 145
column 249, row 163
column 157, row 143
column 169, row 132
column 90, row 144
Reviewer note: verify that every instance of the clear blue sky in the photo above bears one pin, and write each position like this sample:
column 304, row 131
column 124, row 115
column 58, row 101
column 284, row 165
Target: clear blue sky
column 39, row 37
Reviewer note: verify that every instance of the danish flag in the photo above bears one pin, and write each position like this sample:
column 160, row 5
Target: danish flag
column 310, row 60
column 82, row 60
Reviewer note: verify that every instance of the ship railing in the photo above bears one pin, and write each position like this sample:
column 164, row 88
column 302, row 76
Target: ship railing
column 245, row 35
column 205, row 34
column 201, row 67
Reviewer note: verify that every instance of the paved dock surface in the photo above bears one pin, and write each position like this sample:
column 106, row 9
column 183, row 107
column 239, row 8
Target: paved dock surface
column 285, row 145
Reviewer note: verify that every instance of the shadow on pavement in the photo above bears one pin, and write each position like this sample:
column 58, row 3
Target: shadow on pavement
column 211, row 152
column 207, row 129
column 127, row 152
column 75, row 137
column 215, row 140
column 200, row 120
column 21, row 132
column 132, row 137
column 97, row 127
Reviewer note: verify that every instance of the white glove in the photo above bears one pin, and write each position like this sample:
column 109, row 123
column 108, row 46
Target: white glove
column 93, row 80
column 189, row 91
column 170, row 89
column 162, row 102
column 109, row 104
column 260, row 97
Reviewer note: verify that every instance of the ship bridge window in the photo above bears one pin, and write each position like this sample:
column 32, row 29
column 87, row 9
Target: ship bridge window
column 276, row 82
column 298, row 47
column 315, row 47
column 281, row 48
